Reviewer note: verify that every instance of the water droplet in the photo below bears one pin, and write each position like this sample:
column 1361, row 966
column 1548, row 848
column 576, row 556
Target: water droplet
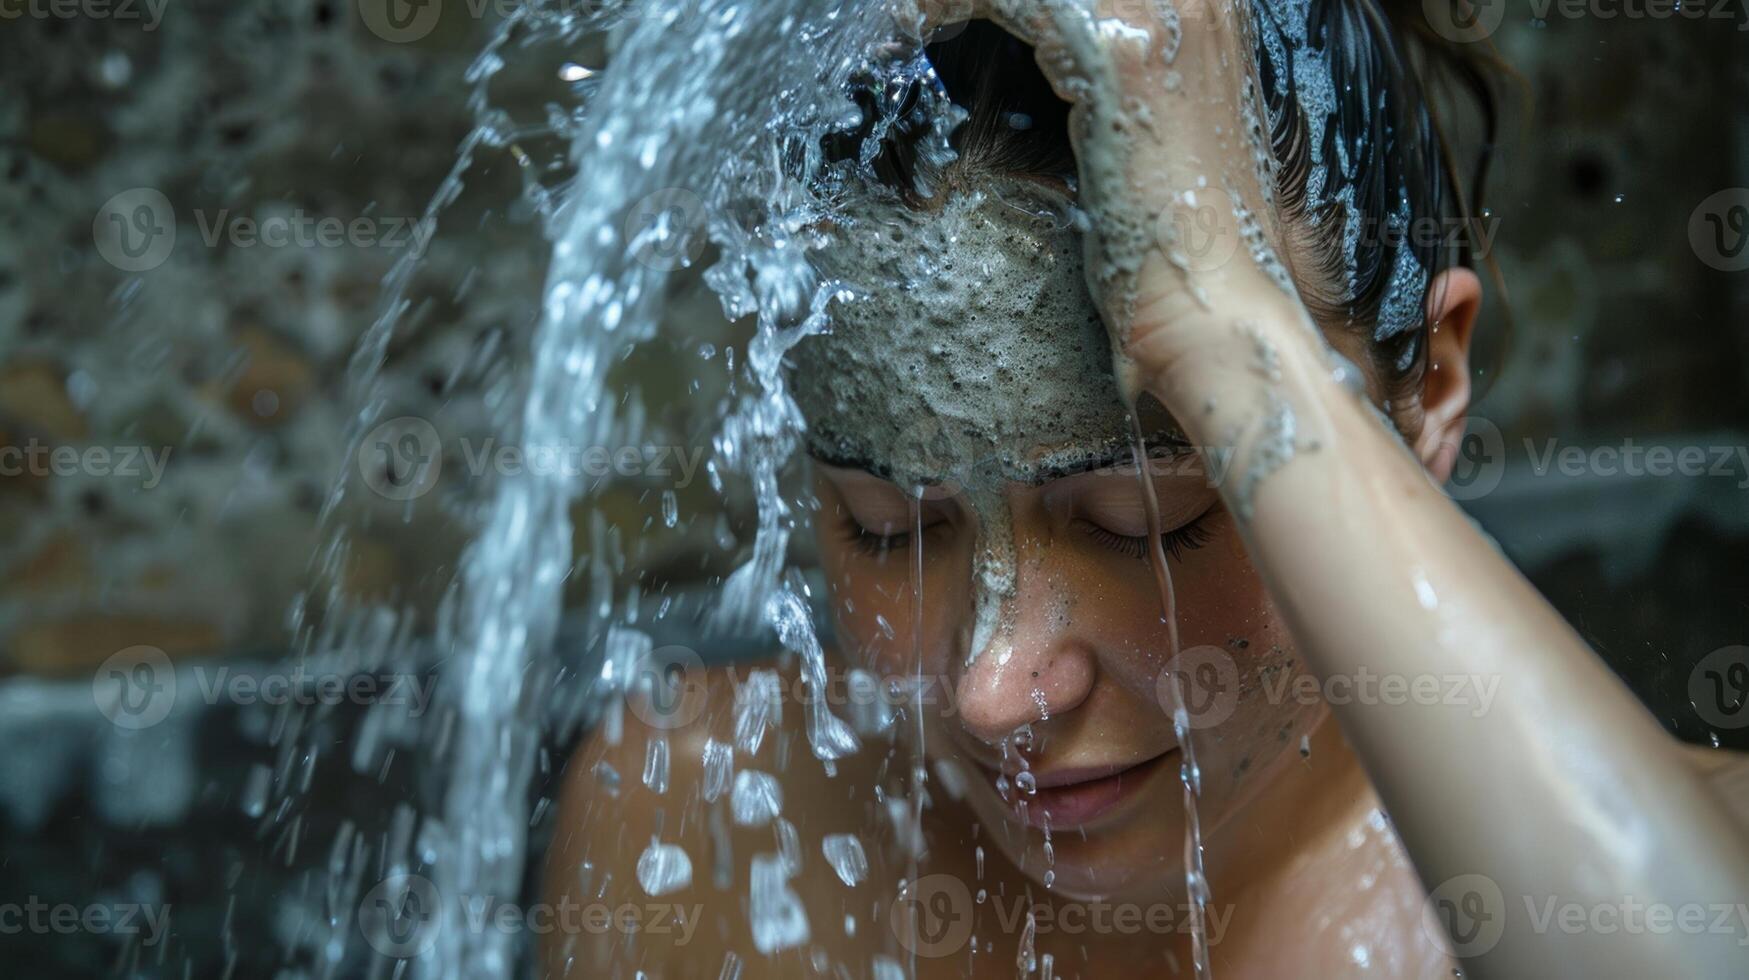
column 756, row 798
column 664, row 868
column 719, row 767
column 656, row 764
column 844, row 853
column 779, row 921
column 608, row 777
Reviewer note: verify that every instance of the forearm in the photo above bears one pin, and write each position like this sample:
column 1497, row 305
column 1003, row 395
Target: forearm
column 1564, row 786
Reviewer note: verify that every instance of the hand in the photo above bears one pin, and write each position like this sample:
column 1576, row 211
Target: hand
column 1173, row 177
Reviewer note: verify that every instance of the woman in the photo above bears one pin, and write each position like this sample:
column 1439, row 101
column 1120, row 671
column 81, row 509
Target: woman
column 1342, row 643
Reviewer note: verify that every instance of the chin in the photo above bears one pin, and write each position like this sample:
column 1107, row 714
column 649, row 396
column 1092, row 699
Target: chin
column 1140, row 861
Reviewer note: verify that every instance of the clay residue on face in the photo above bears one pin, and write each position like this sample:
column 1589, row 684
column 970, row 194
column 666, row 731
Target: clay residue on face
column 972, row 352
column 971, row 355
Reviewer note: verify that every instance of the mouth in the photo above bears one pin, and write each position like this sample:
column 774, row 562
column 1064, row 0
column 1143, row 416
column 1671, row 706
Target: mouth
column 1082, row 796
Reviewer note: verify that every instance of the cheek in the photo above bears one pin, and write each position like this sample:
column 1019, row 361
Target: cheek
column 874, row 603
column 1224, row 605
column 1221, row 599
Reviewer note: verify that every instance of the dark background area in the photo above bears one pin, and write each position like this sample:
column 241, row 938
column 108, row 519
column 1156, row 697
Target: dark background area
column 234, row 359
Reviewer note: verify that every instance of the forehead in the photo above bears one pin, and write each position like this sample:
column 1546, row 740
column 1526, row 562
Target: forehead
column 972, row 343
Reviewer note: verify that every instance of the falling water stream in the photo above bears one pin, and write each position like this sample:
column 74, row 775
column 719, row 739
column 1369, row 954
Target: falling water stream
column 1195, row 880
column 712, row 115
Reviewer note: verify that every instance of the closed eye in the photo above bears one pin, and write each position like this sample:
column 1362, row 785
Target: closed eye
column 878, row 542
column 1186, row 537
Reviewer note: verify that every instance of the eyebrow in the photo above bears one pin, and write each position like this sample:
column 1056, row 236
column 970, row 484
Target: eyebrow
column 1164, row 444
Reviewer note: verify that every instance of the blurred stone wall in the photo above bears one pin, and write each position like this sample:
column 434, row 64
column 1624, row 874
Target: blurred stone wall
column 197, row 218
column 209, row 374
column 224, row 356
column 1626, row 143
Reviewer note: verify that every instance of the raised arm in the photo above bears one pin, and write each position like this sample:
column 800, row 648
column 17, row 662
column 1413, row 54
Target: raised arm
column 1565, row 790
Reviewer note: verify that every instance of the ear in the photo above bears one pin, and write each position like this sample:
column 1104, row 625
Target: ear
column 1453, row 301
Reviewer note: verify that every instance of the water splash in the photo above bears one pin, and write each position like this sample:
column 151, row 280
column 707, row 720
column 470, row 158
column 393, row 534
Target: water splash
column 1195, row 878
column 715, row 97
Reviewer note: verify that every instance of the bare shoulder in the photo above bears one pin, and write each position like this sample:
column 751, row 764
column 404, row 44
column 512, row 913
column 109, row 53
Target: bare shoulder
column 609, row 816
column 1727, row 773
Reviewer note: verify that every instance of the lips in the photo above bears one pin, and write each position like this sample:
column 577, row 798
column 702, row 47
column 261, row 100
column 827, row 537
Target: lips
column 1076, row 797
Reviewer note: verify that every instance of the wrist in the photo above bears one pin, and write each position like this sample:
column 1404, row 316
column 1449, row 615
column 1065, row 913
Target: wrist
column 1214, row 376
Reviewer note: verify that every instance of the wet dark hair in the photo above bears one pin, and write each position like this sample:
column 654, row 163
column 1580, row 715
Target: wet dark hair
column 1399, row 172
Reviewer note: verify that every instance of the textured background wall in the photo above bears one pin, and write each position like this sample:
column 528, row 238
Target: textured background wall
column 228, row 361
column 1627, row 332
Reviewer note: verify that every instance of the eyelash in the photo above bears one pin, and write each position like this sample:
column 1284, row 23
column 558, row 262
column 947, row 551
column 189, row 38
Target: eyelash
column 1177, row 541
column 869, row 543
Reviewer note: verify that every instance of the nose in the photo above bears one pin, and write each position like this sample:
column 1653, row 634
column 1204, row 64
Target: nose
column 1036, row 665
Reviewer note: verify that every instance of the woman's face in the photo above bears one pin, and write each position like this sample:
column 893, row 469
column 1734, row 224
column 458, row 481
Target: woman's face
column 1020, row 585
column 1078, row 659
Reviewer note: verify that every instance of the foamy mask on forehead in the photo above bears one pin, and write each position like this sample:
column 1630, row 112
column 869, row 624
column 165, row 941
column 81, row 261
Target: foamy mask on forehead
column 972, row 355
column 972, row 352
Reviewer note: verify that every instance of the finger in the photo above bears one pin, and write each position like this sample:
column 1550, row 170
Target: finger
column 1018, row 17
